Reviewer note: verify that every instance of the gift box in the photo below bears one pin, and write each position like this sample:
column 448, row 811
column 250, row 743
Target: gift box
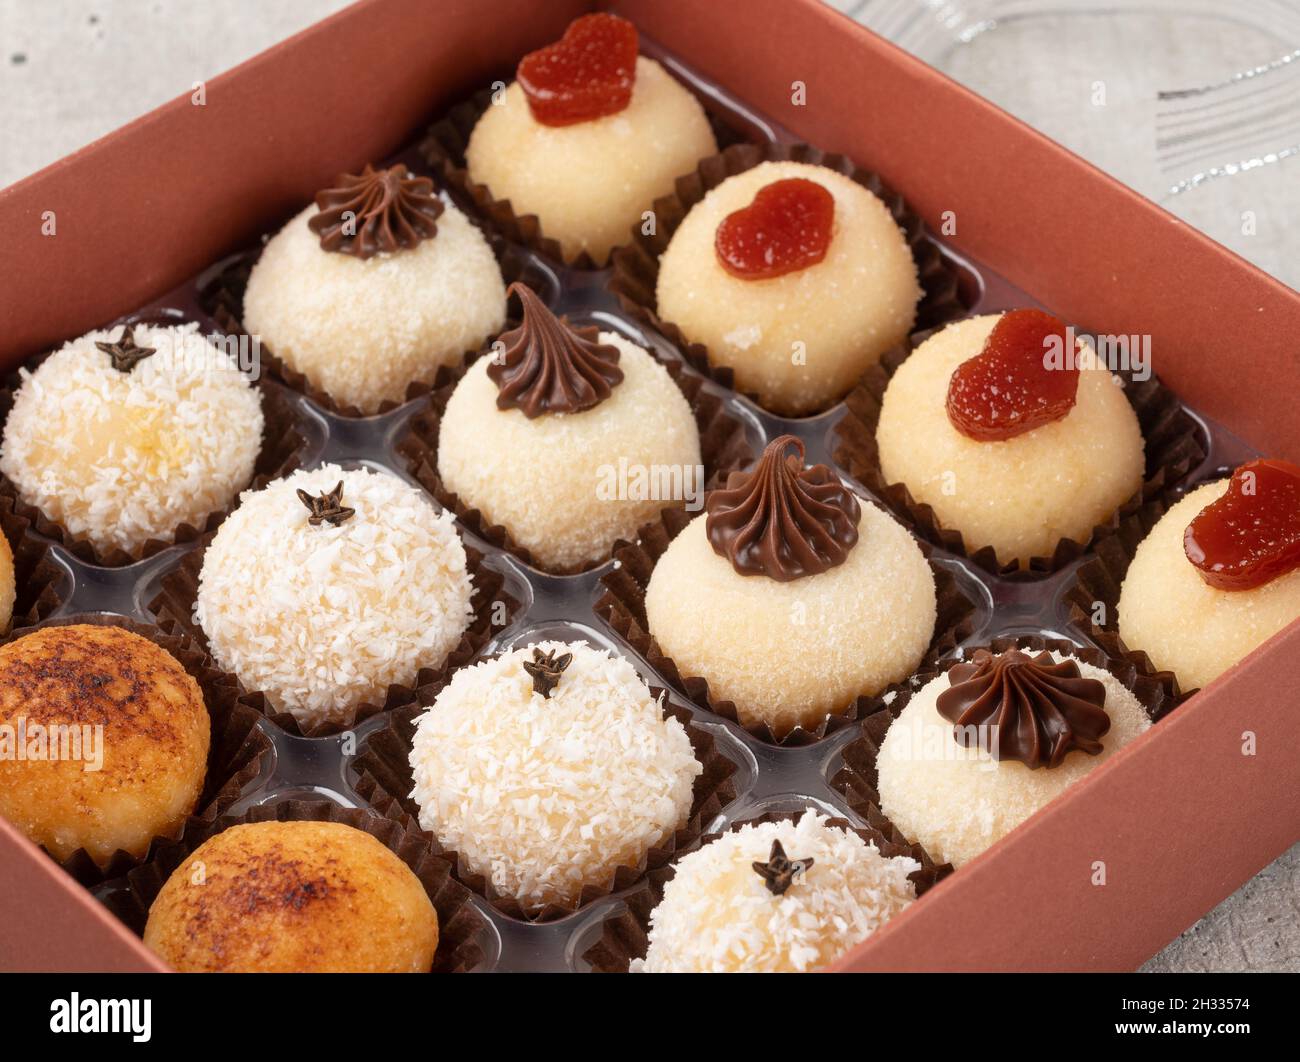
column 1104, row 876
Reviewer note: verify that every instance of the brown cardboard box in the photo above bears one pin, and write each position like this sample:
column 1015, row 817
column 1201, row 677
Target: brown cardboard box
column 1180, row 819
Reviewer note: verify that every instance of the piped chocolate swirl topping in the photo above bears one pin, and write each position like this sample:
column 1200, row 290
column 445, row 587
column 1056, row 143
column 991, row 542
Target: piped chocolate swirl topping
column 783, row 520
column 376, row 211
column 548, row 366
column 1030, row 709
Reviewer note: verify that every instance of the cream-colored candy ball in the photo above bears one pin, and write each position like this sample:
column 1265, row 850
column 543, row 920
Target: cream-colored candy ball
column 363, row 330
column 1181, row 622
column 8, row 589
column 589, row 183
column 957, row 801
column 841, row 314
column 124, row 457
column 1020, row 495
column 568, row 485
column 790, row 653
column 717, row 915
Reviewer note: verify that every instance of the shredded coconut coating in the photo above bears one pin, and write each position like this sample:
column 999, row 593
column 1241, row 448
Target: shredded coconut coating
column 8, row 591
column 957, row 801
column 323, row 619
column 121, row 458
column 542, row 796
column 789, row 653
column 1020, row 495
column 589, row 182
column 840, row 314
column 554, row 480
column 1181, row 622
column 717, row 915
column 363, row 330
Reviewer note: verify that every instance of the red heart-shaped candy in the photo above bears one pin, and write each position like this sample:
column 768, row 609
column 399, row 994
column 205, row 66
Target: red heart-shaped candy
column 588, row 73
column 1013, row 385
column 1250, row 535
column 786, row 228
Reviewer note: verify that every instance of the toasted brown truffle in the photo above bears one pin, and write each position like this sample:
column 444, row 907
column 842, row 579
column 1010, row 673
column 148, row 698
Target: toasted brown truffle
column 293, row 897
column 103, row 740
column 7, row 588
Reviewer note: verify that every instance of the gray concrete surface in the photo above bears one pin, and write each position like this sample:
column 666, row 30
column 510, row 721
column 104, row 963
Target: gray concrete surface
column 73, row 70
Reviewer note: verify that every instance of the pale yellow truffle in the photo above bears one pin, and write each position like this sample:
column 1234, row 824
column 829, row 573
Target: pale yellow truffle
column 1020, row 495
column 568, row 485
column 8, row 590
column 363, row 330
column 790, row 653
column 798, row 341
column 957, row 801
column 1181, row 622
column 589, row 183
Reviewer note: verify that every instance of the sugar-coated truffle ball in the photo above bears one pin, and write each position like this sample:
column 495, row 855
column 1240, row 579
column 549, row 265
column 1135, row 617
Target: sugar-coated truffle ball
column 1181, row 622
column 1020, row 495
column 8, row 591
column 789, row 653
column 588, row 183
column 293, row 897
column 719, row 916
column 114, row 740
column 798, row 341
column 568, row 485
column 122, row 456
column 363, row 329
column 323, row 614
column 956, row 800
column 543, row 793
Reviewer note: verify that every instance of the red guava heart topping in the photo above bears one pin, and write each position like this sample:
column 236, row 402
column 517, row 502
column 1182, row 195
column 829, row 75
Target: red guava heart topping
column 786, row 228
column 1250, row 535
column 588, row 73
column 1021, row 380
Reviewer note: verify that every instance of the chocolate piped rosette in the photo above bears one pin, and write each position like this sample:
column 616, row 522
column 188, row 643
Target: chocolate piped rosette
column 571, row 154
column 1195, row 588
column 552, row 775
column 970, row 748
column 371, row 290
column 1000, row 438
column 128, row 439
column 785, row 602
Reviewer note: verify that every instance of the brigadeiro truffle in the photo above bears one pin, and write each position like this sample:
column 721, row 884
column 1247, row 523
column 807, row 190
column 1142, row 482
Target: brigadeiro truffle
column 1012, row 436
column 790, row 597
column 107, row 739
column 795, row 277
column 326, row 587
column 538, row 438
column 123, row 435
column 549, row 768
column 981, row 747
column 1218, row 575
column 775, row 897
column 293, row 897
column 588, row 137
column 374, row 288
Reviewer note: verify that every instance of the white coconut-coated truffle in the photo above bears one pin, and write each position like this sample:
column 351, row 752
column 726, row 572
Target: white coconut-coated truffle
column 588, row 183
column 363, row 330
column 324, row 618
column 1020, row 495
column 543, row 795
column 124, row 457
column 717, row 915
column 568, row 485
column 1181, row 622
column 957, row 801
column 790, row 653
column 8, row 589
column 798, row 341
